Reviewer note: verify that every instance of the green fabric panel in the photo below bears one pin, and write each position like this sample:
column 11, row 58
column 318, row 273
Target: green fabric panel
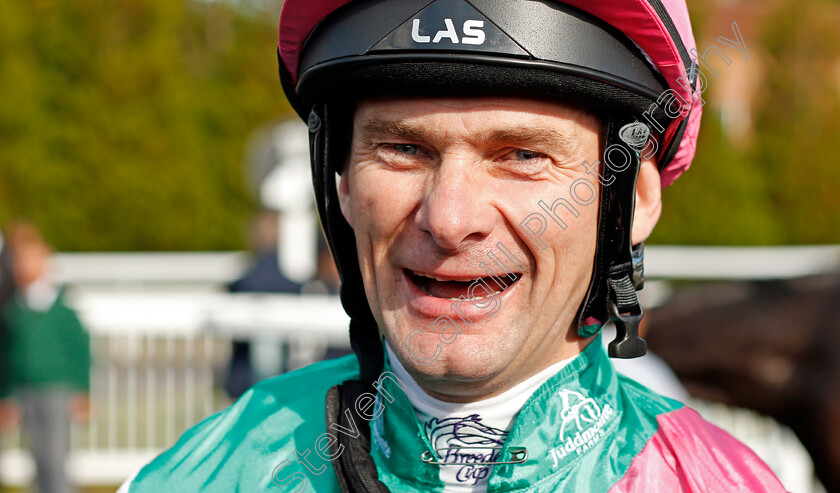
column 252, row 445
column 46, row 348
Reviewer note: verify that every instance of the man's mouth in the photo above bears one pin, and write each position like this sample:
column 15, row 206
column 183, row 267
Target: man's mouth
column 453, row 288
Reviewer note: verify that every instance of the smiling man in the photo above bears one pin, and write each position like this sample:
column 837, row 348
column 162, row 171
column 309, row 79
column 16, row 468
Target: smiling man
column 432, row 186
column 486, row 173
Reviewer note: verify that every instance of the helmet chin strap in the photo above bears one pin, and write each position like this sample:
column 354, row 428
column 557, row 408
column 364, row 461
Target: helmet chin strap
column 618, row 269
column 626, row 274
column 329, row 142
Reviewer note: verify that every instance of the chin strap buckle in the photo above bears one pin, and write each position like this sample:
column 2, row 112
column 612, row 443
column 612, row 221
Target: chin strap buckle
column 625, row 310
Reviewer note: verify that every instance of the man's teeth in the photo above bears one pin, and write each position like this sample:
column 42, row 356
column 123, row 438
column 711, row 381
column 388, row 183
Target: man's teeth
column 432, row 276
column 476, row 298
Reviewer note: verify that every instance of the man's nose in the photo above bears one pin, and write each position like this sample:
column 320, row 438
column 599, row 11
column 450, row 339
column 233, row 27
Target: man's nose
column 455, row 209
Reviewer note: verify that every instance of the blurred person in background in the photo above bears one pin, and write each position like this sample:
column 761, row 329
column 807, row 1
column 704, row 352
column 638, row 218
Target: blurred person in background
column 259, row 357
column 326, row 282
column 48, row 358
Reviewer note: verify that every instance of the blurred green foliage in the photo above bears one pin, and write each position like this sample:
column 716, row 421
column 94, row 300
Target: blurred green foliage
column 123, row 125
column 781, row 185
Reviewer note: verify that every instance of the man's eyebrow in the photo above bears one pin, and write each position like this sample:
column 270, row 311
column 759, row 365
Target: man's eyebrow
column 391, row 128
column 534, row 136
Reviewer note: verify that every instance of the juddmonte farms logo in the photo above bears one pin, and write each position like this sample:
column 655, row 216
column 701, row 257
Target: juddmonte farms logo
column 582, row 424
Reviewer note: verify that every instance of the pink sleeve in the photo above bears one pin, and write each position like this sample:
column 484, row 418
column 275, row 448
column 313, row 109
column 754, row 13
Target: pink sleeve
column 689, row 454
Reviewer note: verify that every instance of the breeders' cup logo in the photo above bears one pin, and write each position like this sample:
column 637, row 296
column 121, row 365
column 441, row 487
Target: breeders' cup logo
column 454, row 434
column 582, row 423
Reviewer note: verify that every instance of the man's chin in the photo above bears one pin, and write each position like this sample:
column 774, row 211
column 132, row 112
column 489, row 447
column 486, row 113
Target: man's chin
column 469, row 361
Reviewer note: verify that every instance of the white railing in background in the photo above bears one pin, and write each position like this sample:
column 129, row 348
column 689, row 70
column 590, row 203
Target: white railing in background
column 208, row 268
column 740, row 263
column 161, row 326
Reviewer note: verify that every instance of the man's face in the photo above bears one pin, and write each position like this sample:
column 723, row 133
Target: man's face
column 434, row 185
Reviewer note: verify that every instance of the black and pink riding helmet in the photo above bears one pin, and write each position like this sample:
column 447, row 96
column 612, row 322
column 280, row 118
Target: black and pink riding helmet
column 627, row 60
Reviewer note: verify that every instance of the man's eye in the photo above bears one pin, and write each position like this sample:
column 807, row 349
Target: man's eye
column 405, row 149
column 526, row 155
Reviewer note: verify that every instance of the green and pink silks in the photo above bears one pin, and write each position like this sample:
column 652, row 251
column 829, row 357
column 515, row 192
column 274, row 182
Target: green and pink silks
column 586, row 429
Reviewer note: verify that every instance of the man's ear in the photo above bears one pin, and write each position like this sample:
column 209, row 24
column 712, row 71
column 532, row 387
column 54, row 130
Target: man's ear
column 344, row 196
column 648, row 201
